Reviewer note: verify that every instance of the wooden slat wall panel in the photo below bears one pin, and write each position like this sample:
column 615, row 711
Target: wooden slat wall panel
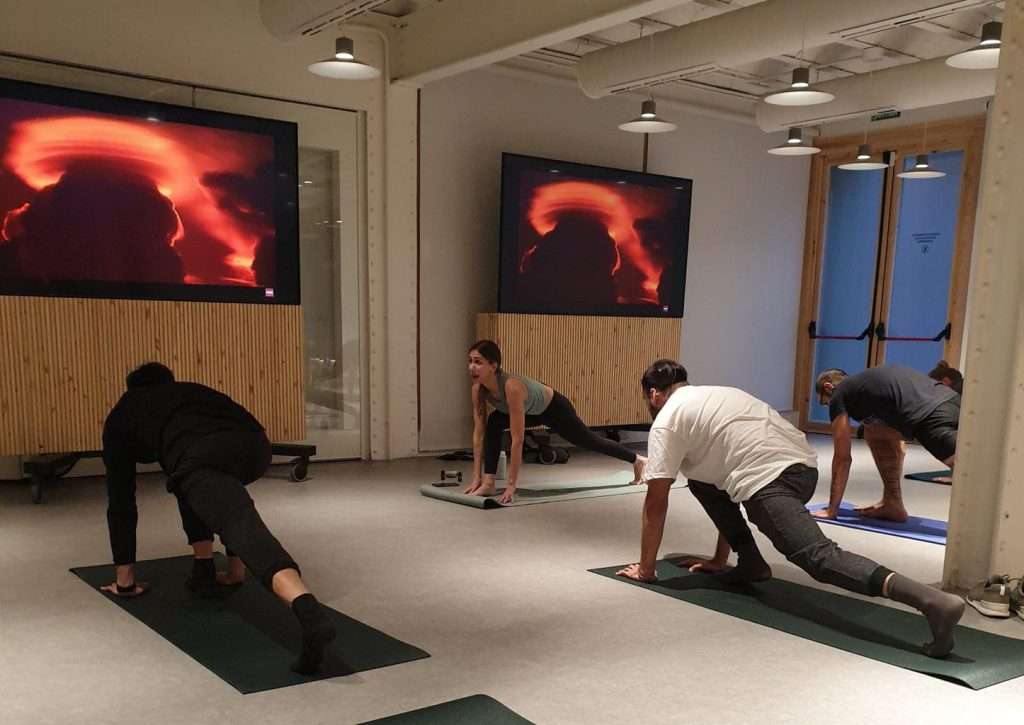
column 63, row 363
column 596, row 362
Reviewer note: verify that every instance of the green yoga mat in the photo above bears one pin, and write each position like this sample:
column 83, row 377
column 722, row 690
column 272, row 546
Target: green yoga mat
column 537, row 492
column 931, row 476
column 474, row 710
column 248, row 638
column 878, row 632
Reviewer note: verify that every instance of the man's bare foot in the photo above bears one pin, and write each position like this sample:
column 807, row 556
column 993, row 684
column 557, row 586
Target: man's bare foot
column 872, row 507
column 889, row 512
column 638, row 469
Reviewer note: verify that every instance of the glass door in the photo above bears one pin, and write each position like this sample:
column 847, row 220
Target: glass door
column 886, row 259
column 842, row 328
column 915, row 323
column 328, row 262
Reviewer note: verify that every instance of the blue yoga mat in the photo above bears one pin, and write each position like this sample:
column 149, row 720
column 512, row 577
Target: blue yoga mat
column 915, row 527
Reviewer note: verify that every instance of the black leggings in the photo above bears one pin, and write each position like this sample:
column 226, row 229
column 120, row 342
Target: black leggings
column 560, row 417
column 209, row 483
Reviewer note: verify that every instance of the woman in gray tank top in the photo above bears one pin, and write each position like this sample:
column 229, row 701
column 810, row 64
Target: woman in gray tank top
column 519, row 402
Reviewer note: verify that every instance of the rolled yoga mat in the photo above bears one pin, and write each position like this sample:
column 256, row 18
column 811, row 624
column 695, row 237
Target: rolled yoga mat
column 915, row 527
column 537, row 492
column 879, row 632
column 473, row 710
column 249, row 638
column 932, row 477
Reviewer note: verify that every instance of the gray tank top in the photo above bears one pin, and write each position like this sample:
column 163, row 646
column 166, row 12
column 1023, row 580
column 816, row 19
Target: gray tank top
column 535, row 402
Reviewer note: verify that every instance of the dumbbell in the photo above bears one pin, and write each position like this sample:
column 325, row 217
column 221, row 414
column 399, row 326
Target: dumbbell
column 450, row 478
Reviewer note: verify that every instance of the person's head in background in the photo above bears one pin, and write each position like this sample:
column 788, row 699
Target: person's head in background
column 151, row 373
column 948, row 376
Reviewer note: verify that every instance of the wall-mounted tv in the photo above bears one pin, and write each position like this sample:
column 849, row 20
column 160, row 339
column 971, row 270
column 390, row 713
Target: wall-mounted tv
column 102, row 196
column 589, row 240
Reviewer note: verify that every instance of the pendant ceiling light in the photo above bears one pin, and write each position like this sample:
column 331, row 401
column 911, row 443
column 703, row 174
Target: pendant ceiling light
column 983, row 56
column 648, row 121
column 344, row 64
column 866, row 161
column 794, row 145
column 799, row 92
column 921, row 169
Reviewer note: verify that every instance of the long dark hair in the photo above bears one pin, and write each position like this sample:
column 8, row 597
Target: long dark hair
column 488, row 350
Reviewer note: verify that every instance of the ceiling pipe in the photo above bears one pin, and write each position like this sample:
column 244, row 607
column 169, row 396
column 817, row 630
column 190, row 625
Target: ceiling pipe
column 903, row 88
column 741, row 36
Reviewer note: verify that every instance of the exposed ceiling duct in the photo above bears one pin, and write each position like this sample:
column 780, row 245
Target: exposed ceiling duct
column 739, row 37
column 291, row 18
column 903, row 88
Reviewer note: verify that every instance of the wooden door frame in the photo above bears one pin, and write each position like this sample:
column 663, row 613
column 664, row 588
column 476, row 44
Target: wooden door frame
column 963, row 133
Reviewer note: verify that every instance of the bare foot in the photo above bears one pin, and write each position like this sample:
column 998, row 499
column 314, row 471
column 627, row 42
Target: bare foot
column 638, row 469
column 872, row 507
column 889, row 512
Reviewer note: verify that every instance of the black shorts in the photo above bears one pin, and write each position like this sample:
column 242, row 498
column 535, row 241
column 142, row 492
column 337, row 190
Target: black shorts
column 937, row 433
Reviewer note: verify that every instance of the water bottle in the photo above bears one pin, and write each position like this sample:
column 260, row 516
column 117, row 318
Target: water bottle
column 502, row 467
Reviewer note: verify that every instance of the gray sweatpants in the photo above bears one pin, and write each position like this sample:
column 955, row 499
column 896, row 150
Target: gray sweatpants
column 779, row 511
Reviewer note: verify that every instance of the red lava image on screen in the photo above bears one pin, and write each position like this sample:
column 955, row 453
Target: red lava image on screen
column 101, row 197
column 595, row 243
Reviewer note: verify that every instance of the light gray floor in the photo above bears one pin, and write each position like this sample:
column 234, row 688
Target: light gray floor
column 501, row 599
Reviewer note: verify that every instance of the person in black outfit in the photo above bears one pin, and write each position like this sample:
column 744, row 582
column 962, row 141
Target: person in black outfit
column 895, row 404
column 210, row 447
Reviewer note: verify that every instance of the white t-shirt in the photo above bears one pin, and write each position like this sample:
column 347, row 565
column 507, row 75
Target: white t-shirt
column 724, row 437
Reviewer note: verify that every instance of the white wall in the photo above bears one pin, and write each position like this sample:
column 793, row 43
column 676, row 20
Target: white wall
column 746, row 235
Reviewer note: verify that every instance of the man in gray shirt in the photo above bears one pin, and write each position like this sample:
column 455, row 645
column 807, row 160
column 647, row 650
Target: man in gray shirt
column 894, row 403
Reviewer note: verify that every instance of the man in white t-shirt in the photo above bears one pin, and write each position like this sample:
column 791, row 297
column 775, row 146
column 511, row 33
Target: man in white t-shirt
column 735, row 449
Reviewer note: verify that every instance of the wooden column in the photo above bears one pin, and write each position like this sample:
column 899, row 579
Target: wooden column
column 987, row 508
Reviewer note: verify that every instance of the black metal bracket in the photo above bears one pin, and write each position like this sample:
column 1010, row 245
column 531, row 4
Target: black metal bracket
column 812, row 331
column 944, row 334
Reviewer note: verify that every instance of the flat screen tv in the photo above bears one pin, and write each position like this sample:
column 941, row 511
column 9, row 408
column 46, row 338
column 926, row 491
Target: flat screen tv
column 102, row 196
column 590, row 240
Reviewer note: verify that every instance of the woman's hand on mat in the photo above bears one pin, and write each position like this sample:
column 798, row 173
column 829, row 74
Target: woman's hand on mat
column 634, row 572
column 472, row 487
column 138, row 589
column 508, row 495
column 824, row 514
column 701, row 564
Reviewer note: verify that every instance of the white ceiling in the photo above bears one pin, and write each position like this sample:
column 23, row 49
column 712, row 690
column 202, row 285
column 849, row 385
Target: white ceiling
column 739, row 88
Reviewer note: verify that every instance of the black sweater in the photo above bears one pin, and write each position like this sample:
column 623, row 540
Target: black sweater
column 158, row 424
